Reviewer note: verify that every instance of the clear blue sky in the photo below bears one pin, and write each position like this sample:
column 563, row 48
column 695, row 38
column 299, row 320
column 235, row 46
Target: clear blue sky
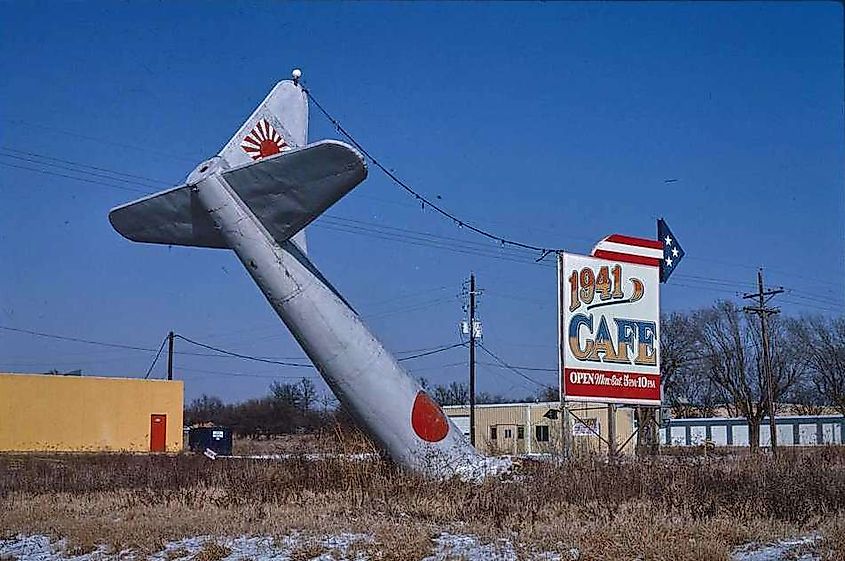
column 554, row 124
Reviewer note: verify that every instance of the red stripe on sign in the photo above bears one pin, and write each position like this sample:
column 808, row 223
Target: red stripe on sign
column 639, row 242
column 626, row 257
column 604, row 384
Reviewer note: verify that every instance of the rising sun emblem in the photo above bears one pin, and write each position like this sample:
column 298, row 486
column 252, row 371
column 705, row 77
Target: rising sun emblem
column 263, row 141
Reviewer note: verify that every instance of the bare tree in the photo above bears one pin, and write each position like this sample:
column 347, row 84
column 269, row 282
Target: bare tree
column 805, row 399
column 547, row 393
column 287, row 394
column 677, row 353
column 205, row 409
column 453, row 394
column 823, row 339
column 685, row 388
column 486, row 398
column 308, row 393
column 730, row 346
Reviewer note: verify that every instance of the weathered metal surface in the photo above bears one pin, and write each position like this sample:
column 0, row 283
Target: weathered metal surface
column 384, row 399
column 254, row 209
column 285, row 192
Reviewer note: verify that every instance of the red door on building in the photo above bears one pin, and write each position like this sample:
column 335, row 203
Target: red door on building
column 158, row 433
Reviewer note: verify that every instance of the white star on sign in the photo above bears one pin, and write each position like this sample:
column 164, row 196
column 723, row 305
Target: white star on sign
column 669, row 261
column 674, row 252
column 668, row 240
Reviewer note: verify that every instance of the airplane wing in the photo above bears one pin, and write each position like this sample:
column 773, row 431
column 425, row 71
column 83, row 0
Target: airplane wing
column 286, row 192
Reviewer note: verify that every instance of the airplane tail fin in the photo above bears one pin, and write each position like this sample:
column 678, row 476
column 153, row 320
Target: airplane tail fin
column 279, row 123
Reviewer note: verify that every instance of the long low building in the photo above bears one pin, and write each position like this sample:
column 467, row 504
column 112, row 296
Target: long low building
column 792, row 430
column 42, row 412
column 523, row 428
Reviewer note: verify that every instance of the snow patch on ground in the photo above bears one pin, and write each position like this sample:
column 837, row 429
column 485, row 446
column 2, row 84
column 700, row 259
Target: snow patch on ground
column 468, row 548
column 335, row 548
column 453, row 547
column 342, row 547
column 484, row 466
column 40, row 548
column 338, row 547
column 779, row 551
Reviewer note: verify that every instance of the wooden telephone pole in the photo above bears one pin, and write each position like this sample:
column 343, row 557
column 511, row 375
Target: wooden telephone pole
column 763, row 297
column 472, row 358
column 170, row 356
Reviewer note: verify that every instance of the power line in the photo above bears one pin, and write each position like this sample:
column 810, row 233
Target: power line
column 75, row 168
column 481, row 245
column 438, row 367
column 76, row 339
column 221, row 353
column 298, row 365
column 95, row 182
column 158, row 354
column 346, row 225
column 410, row 308
column 387, row 232
column 423, row 200
column 513, row 368
column 528, row 368
column 99, row 343
column 389, row 236
column 432, row 352
column 108, row 142
column 242, row 356
column 249, row 375
column 156, row 182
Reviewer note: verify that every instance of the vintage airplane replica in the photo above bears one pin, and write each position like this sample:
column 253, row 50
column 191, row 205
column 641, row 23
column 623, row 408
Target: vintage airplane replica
column 256, row 197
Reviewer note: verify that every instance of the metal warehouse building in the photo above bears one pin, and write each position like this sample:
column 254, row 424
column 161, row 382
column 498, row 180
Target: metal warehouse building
column 792, row 430
column 521, row 428
column 40, row 412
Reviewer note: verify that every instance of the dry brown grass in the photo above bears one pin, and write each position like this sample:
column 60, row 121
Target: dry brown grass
column 212, row 551
column 663, row 509
column 330, row 439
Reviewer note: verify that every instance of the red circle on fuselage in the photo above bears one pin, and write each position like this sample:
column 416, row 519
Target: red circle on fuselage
column 428, row 419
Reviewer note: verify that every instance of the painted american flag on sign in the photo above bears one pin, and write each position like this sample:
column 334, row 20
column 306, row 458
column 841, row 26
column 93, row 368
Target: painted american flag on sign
column 630, row 250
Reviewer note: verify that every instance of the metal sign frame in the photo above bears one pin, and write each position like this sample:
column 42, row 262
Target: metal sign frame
column 615, row 300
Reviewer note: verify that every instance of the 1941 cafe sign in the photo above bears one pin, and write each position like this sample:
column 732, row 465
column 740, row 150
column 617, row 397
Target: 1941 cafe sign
column 610, row 322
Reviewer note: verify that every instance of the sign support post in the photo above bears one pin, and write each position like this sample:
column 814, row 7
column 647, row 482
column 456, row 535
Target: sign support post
column 611, row 431
column 609, row 330
column 565, row 430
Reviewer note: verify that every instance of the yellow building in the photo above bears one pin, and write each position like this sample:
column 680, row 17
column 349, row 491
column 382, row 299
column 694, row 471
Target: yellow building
column 40, row 412
column 521, row 428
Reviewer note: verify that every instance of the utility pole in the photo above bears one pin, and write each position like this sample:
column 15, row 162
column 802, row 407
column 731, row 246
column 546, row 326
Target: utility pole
column 565, row 429
column 763, row 296
column 611, row 432
column 170, row 356
column 472, row 358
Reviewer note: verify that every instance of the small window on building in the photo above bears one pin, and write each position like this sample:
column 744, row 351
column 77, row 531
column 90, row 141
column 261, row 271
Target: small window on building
column 492, row 433
column 520, row 432
column 542, row 432
column 508, row 433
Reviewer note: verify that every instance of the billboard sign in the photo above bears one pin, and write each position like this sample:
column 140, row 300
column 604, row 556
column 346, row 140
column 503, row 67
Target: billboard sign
column 610, row 326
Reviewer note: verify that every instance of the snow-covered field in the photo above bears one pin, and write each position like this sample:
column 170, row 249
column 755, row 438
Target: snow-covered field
column 340, row 547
